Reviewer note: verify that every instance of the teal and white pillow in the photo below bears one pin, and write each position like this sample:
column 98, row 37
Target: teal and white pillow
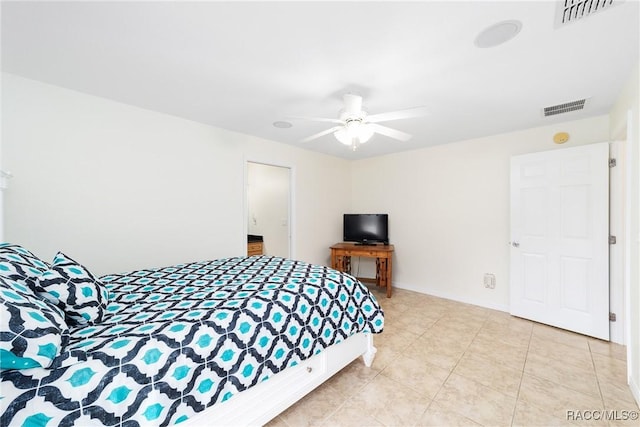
column 17, row 263
column 32, row 332
column 73, row 288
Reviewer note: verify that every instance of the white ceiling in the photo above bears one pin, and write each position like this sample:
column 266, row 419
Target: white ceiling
column 243, row 65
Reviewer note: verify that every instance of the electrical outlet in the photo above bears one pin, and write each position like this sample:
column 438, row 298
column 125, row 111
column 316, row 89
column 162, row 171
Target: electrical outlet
column 489, row 281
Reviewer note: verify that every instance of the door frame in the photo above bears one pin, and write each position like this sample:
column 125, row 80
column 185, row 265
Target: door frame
column 618, row 213
column 245, row 202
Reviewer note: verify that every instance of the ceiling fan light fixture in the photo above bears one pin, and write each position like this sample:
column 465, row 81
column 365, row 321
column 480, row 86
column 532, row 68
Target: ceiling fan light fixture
column 354, row 129
column 354, row 126
column 342, row 136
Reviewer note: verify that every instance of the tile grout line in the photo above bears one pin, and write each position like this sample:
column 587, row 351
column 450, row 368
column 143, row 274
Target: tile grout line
column 455, row 366
column 595, row 372
column 417, row 338
column 351, row 396
column 434, row 396
column 445, row 380
column 524, row 365
column 346, row 399
column 432, row 400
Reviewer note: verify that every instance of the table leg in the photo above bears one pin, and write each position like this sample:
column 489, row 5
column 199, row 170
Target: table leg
column 388, row 278
column 381, row 274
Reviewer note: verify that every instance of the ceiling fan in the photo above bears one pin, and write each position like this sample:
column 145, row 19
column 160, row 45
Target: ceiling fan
column 356, row 127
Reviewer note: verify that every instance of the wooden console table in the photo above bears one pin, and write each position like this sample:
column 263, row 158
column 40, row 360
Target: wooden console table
column 341, row 254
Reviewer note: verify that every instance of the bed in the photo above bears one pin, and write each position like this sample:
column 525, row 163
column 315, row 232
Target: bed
column 228, row 342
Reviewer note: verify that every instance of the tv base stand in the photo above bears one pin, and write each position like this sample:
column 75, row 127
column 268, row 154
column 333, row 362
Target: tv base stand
column 370, row 244
column 341, row 254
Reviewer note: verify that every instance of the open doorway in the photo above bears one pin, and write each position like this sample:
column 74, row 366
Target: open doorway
column 268, row 193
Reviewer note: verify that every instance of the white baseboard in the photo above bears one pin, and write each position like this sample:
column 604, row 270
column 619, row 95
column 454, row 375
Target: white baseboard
column 453, row 297
column 615, row 338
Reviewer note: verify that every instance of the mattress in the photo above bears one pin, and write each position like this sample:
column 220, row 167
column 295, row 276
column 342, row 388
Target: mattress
column 179, row 339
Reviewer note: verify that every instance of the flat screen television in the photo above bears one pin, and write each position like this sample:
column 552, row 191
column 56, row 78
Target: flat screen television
column 366, row 228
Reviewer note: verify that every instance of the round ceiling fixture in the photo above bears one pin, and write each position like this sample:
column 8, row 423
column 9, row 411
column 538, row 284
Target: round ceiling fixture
column 498, row 33
column 282, row 124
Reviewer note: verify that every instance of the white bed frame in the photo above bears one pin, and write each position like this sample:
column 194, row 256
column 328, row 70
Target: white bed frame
column 261, row 403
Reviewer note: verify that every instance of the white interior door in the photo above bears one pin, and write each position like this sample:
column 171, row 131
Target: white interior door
column 560, row 238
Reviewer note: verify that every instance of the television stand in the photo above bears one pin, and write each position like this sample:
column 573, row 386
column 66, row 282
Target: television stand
column 341, row 254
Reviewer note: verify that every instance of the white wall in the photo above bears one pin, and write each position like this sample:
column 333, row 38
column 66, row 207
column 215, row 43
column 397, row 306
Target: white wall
column 120, row 188
column 448, row 208
column 268, row 199
column 625, row 123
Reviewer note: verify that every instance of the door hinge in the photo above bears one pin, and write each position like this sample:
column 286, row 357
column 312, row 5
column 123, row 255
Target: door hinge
column 612, row 240
column 612, row 317
column 612, row 163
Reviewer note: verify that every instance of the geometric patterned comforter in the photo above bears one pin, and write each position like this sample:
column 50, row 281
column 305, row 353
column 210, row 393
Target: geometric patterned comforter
column 179, row 339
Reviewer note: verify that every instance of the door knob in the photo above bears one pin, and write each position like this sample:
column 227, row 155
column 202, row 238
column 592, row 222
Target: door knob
column 515, row 244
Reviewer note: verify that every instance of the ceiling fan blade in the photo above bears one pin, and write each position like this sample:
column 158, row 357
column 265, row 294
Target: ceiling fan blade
column 320, row 134
column 352, row 104
column 317, row 119
column 397, row 115
column 391, row 133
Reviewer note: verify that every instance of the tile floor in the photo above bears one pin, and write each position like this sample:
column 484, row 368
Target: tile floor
column 444, row 363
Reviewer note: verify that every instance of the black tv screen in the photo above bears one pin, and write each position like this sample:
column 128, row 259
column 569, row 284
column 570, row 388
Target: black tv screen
column 366, row 228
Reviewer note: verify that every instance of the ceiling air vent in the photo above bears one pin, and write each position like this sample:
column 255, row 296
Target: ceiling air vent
column 564, row 108
column 573, row 10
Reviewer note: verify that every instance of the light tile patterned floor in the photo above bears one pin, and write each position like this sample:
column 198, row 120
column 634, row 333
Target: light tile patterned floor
column 444, row 363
